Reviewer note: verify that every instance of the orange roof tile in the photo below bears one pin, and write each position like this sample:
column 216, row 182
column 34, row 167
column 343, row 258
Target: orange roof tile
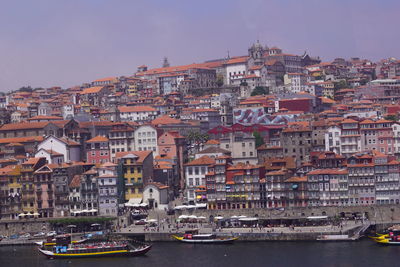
column 91, row 90
column 204, row 160
column 98, row 138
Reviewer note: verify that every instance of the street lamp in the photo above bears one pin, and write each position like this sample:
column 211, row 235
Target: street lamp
column 71, row 226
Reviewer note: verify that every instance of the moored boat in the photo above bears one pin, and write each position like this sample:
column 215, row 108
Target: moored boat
column 390, row 238
column 65, row 249
column 193, row 236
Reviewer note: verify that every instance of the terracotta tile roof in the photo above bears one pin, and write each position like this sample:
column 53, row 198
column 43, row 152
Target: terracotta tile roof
column 349, row 121
column 105, row 79
column 76, row 182
column 213, row 142
column 237, row 60
column 142, row 155
column 23, row 126
column 98, row 138
column 204, row 160
column 108, row 164
column 165, row 119
column 328, row 172
column 91, row 90
column 158, row 185
column 69, row 142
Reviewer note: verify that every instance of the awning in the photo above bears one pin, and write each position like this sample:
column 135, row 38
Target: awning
column 201, row 205
column 93, row 210
column 317, row 217
column 133, row 202
column 182, row 207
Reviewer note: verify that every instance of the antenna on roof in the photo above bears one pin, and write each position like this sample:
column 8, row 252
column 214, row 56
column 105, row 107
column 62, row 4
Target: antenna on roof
column 228, row 56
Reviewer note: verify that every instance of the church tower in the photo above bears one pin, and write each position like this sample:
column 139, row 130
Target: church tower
column 256, row 52
column 165, row 63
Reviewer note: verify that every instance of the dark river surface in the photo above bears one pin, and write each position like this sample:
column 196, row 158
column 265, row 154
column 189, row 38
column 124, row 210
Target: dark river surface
column 362, row 253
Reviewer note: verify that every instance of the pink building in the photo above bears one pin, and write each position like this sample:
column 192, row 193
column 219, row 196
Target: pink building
column 377, row 135
column 98, row 150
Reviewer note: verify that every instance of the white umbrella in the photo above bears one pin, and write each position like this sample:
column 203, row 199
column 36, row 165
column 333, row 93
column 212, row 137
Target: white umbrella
column 180, row 207
column 218, row 218
column 143, row 204
column 190, row 206
column 201, row 218
column 93, row 210
column 152, row 220
column 201, row 205
column 192, row 217
column 234, row 217
column 21, row 215
column 248, row 219
column 35, row 214
column 84, row 210
column 183, row 217
column 242, row 216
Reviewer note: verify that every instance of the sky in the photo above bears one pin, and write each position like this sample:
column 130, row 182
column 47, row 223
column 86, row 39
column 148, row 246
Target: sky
column 46, row 43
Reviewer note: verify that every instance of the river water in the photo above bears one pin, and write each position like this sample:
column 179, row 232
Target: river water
column 362, row 253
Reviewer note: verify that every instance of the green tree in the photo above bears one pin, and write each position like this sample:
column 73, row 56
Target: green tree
column 196, row 138
column 391, row 118
column 260, row 90
column 220, row 80
column 341, row 84
column 259, row 139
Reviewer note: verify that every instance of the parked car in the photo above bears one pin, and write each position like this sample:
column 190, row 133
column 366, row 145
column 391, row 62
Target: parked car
column 14, row 236
column 52, row 233
column 40, row 234
column 27, row 235
column 140, row 222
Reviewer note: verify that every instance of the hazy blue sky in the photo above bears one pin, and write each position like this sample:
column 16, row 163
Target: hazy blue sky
column 65, row 43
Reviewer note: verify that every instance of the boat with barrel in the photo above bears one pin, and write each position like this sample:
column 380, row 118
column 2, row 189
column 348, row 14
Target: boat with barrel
column 51, row 241
column 392, row 237
column 65, row 249
column 193, row 236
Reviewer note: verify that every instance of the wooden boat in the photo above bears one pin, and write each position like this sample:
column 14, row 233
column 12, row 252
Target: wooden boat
column 95, row 251
column 192, row 236
column 64, row 248
column 391, row 238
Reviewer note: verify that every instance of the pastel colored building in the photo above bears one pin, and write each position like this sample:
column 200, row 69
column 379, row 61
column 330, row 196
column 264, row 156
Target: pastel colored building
column 98, row 150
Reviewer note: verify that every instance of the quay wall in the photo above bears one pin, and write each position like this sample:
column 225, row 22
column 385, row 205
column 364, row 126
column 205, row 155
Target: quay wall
column 243, row 237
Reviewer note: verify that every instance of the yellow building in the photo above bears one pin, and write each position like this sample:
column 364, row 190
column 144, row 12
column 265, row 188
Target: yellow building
column 137, row 170
column 10, row 185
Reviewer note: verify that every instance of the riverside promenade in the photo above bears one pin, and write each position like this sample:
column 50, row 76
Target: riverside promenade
column 163, row 231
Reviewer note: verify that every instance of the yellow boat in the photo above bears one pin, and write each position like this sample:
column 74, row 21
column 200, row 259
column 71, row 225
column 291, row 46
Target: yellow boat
column 192, row 236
